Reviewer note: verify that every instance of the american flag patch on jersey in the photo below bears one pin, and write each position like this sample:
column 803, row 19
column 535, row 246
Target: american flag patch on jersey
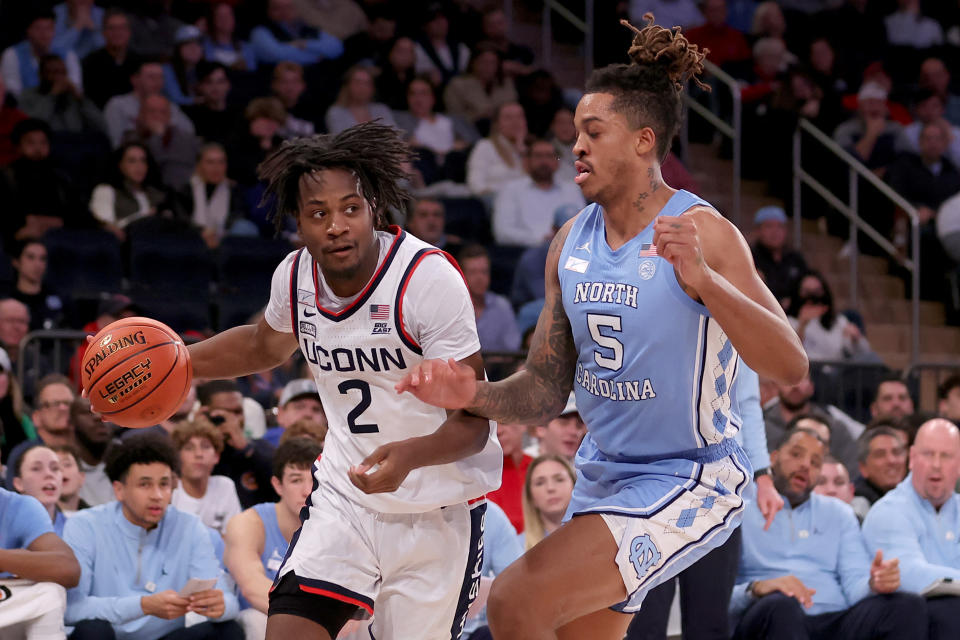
column 648, row 250
column 379, row 312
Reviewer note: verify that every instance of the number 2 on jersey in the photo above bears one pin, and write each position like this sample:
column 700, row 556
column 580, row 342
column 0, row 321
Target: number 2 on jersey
column 364, row 388
column 597, row 320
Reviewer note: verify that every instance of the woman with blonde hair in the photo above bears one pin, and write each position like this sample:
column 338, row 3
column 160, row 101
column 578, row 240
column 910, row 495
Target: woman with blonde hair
column 546, row 496
column 498, row 159
column 355, row 102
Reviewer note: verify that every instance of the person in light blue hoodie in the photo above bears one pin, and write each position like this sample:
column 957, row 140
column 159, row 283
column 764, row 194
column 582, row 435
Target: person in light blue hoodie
column 137, row 555
column 809, row 576
column 919, row 522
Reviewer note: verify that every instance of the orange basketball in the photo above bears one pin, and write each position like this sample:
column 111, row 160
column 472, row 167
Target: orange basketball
column 136, row 372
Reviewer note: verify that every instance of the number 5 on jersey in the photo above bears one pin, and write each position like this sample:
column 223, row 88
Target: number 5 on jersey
column 597, row 321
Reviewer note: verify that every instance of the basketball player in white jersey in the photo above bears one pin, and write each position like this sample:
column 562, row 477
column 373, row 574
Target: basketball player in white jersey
column 394, row 522
column 652, row 298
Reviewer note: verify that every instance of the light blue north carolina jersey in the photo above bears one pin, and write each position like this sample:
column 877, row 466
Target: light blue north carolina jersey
column 656, row 375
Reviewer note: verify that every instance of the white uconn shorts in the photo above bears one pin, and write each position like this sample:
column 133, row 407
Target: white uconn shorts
column 415, row 573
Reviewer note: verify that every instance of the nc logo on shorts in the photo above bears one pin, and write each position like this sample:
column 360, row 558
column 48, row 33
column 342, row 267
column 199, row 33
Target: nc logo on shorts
column 643, row 554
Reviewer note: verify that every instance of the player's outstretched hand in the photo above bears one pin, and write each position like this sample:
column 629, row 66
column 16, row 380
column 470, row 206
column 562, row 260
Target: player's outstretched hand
column 678, row 241
column 768, row 499
column 393, row 461
column 442, row 383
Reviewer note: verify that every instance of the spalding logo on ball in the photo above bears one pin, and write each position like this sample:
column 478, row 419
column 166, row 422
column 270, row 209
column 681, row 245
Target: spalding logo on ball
column 136, row 372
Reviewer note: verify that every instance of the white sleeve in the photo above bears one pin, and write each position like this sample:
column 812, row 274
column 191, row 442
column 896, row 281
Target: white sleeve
column 508, row 225
column 277, row 313
column 478, row 167
column 74, row 70
column 10, row 68
column 437, row 311
column 102, row 202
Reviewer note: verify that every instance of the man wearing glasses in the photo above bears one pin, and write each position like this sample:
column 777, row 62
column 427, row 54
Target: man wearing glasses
column 246, row 461
column 51, row 418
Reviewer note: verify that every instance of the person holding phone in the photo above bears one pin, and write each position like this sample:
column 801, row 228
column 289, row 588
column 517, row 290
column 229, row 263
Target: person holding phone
column 245, row 460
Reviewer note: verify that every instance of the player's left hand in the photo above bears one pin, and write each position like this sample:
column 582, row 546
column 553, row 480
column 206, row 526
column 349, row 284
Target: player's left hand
column 395, row 461
column 768, row 499
column 884, row 574
column 208, row 603
column 678, row 241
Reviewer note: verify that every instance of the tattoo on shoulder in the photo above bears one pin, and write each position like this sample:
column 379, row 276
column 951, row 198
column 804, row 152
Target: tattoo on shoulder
column 556, row 245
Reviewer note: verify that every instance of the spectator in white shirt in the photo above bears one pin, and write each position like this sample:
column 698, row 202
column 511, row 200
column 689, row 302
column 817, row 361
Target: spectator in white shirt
column 907, row 27
column 211, row 498
column 496, row 160
column 523, row 210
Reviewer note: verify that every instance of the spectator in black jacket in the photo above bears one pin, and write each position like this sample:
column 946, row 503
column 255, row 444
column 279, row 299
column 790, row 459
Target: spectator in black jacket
column 107, row 71
column 781, row 267
column 35, row 195
column 247, row 462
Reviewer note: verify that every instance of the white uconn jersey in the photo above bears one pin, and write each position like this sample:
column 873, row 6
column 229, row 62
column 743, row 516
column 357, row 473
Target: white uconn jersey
column 360, row 351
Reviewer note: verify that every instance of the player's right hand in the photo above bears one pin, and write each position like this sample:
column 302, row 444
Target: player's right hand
column 442, row 383
column 166, row 604
column 787, row 585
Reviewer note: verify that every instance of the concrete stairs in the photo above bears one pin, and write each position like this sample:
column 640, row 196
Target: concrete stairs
column 881, row 297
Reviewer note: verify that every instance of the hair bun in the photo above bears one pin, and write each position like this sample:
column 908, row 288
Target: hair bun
column 669, row 49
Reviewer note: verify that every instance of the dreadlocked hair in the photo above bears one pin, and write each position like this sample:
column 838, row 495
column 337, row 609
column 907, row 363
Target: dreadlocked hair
column 648, row 90
column 374, row 153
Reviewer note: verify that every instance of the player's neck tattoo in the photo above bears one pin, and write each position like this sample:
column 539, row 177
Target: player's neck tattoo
column 643, row 195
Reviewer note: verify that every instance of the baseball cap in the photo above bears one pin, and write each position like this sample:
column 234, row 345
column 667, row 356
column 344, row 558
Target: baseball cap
column 770, row 213
column 186, row 33
column 871, row 89
column 114, row 304
column 571, row 405
column 297, row 389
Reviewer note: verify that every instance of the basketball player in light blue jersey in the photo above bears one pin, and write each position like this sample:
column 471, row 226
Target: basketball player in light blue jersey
column 652, row 298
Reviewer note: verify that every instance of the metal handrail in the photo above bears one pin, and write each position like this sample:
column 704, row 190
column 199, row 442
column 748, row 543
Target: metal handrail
column 857, row 170
column 585, row 25
column 733, row 130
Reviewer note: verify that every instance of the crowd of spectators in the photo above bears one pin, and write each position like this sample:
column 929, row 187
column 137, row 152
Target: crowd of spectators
column 127, row 124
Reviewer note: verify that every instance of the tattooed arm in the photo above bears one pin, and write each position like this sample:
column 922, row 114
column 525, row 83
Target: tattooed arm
column 534, row 395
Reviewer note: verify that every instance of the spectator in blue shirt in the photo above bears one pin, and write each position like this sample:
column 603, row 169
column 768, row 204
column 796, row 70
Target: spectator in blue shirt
column 37, row 474
column 919, row 522
column 285, row 37
column 496, row 324
column 31, row 550
column 180, row 76
column 137, row 554
column 810, row 575
column 78, row 27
